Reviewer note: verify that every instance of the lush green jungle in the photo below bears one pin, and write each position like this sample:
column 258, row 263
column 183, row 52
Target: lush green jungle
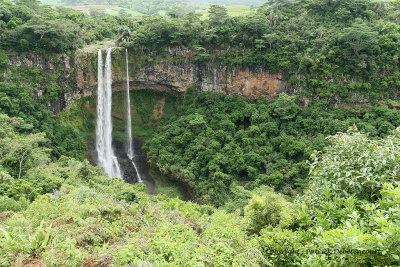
column 309, row 178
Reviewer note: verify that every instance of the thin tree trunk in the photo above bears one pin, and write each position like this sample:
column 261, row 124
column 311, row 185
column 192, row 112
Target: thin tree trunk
column 20, row 168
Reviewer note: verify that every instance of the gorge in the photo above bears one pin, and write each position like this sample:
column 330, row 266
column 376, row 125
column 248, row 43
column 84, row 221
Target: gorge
column 220, row 138
column 77, row 75
column 159, row 83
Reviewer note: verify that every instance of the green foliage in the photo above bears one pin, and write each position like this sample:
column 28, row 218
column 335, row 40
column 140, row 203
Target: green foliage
column 77, row 117
column 70, row 213
column 41, row 239
column 221, row 139
column 18, row 151
column 78, row 223
column 23, row 172
column 346, row 50
column 3, row 60
column 270, row 209
column 354, row 166
column 27, row 26
column 353, row 226
column 16, row 101
column 218, row 15
column 10, row 204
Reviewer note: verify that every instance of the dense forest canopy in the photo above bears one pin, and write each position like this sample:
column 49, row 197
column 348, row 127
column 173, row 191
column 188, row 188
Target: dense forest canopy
column 220, row 142
column 25, row 26
column 330, row 49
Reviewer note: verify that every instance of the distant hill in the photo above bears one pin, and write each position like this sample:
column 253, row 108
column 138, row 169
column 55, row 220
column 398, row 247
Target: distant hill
column 254, row 3
column 148, row 7
column 154, row 6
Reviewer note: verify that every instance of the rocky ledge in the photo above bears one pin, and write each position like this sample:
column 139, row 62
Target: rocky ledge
column 77, row 75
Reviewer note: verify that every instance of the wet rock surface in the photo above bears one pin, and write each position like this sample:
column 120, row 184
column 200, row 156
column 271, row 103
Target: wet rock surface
column 127, row 168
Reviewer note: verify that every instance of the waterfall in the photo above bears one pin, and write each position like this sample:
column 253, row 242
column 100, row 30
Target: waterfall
column 105, row 153
column 130, row 151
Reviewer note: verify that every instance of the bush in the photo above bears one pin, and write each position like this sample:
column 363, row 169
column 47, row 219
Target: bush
column 354, row 165
column 10, row 204
column 270, row 209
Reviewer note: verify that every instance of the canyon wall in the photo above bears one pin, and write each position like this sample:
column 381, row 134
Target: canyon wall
column 174, row 72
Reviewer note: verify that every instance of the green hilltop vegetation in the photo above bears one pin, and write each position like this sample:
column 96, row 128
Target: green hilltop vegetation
column 140, row 8
column 271, row 183
column 147, row 7
column 128, row 8
column 27, row 26
column 232, row 10
column 344, row 50
column 253, row 3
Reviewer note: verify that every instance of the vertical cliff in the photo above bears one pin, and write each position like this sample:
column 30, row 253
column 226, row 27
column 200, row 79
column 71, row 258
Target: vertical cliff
column 65, row 78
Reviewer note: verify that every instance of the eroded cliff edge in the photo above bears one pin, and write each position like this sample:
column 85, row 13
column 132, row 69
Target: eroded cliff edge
column 175, row 71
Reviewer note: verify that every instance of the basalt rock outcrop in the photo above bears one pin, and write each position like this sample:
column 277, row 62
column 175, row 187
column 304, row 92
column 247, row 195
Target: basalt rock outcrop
column 206, row 78
column 77, row 75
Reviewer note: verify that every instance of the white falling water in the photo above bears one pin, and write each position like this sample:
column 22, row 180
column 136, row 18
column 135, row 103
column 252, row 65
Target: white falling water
column 105, row 153
column 130, row 152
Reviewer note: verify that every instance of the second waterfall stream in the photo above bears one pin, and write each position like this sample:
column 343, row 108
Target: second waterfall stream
column 130, row 151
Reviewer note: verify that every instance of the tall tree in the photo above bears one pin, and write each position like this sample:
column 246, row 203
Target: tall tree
column 17, row 150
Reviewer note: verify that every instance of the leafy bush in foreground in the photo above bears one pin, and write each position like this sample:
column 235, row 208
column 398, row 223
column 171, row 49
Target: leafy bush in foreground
column 339, row 216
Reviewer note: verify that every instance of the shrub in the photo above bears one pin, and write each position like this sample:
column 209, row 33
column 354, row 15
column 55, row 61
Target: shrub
column 270, row 209
column 354, row 165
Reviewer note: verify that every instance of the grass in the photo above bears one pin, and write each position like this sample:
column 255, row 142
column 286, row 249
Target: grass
column 51, row 2
column 108, row 9
column 239, row 10
column 166, row 187
column 233, row 11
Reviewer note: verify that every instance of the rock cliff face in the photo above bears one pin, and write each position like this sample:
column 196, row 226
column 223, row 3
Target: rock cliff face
column 77, row 75
column 179, row 77
column 38, row 72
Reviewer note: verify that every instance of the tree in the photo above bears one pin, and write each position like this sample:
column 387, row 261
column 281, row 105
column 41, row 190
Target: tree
column 20, row 149
column 123, row 13
column 285, row 107
column 271, row 38
column 217, row 15
column 359, row 37
column 124, row 36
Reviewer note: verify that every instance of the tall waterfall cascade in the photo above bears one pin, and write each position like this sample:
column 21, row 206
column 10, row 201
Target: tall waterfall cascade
column 105, row 153
column 130, row 150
